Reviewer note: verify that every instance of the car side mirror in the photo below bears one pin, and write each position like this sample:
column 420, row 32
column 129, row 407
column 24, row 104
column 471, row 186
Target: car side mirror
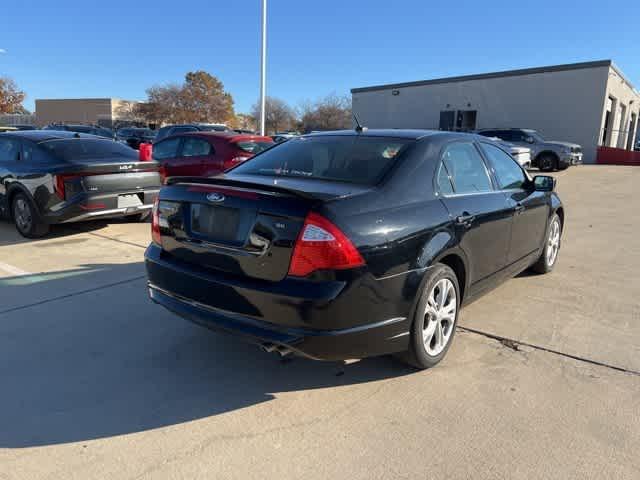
column 544, row 183
column 529, row 139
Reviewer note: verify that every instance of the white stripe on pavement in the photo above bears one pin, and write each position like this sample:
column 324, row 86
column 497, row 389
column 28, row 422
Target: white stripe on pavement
column 11, row 270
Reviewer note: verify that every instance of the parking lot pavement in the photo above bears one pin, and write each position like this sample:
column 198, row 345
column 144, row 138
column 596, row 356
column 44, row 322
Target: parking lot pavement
column 74, row 258
column 590, row 305
column 97, row 382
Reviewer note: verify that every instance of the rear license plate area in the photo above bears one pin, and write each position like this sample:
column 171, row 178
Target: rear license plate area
column 129, row 201
column 215, row 222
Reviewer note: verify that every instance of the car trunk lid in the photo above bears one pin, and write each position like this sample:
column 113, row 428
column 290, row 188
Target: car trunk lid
column 106, row 176
column 245, row 225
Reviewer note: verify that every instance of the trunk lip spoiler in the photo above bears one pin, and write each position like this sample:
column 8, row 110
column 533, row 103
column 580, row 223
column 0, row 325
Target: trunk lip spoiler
column 241, row 185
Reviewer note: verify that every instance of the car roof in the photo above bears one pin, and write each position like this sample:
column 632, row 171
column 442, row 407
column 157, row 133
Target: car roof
column 507, row 129
column 230, row 136
column 45, row 135
column 413, row 134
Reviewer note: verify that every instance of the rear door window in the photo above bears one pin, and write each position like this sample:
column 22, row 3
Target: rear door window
column 166, row 148
column 510, row 175
column 9, row 150
column 466, row 168
column 195, row 147
column 349, row 158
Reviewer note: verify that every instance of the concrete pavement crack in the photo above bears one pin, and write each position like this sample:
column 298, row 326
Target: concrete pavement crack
column 105, row 237
column 515, row 345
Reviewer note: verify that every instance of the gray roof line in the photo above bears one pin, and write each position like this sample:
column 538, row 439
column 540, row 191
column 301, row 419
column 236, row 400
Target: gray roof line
column 482, row 76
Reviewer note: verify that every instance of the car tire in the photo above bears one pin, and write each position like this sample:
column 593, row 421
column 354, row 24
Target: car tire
column 435, row 319
column 552, row 243
column 26, row 218
column 564, row 166
column 547, row 162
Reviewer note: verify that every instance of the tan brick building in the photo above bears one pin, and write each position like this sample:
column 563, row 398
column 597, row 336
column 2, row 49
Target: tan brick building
column 101, row 111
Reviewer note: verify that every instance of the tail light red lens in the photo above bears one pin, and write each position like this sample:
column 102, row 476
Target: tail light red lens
column 322, row 246
column 156, row 236
column 163, row 174
column 58, row 184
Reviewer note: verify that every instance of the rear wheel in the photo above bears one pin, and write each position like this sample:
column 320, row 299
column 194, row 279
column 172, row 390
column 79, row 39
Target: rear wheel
column 551, row 249
column 26, row 218
column 435, row 319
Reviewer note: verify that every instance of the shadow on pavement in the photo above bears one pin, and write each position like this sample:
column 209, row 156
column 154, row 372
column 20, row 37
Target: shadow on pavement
column 109, row 362
column 10, row 236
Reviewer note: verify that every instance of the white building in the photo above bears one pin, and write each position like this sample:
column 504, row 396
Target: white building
column 591, row 104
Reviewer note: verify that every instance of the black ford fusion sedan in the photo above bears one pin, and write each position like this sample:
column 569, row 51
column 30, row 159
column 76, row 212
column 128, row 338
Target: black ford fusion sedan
column 49, row 177
column 351, row 244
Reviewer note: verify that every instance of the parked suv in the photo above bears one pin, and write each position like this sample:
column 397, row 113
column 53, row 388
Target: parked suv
column 133, row 136
column 169, row 130
column 546, row 155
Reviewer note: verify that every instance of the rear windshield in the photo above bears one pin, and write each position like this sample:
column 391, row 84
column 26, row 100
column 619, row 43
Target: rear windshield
column 85, row 149
column 254, row 147
column 212, row 128
column 352, row 159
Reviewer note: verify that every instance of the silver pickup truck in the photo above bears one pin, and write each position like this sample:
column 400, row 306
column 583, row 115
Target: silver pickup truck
column 546, row 155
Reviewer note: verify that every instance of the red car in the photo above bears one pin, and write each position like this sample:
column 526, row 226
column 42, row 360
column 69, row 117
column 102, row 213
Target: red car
column 204, row 154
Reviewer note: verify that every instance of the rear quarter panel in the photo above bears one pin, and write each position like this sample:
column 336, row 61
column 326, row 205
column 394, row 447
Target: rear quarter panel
column 401, row 228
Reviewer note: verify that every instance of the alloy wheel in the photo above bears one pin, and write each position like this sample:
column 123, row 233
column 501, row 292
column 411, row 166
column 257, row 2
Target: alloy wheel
column 553, row 242
column 22, row 215
column 439, row 316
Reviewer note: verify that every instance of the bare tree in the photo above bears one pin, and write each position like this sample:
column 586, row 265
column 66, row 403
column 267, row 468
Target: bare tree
column 332, row 112
column 201, row 98
column 11, row 97
column 130, row 111
column 279, row 115
column 244, row 121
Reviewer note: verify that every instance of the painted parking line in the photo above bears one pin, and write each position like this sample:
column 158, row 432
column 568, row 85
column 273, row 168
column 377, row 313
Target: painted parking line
column 11, row 270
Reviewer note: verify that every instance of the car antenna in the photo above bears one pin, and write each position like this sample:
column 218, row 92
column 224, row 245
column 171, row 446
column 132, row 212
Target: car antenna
column 359, row 128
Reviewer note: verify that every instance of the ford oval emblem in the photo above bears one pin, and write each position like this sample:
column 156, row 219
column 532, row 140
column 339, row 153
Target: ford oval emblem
column 215, row 197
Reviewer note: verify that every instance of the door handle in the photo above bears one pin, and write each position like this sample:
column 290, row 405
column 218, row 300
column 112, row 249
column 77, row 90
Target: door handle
column 519, row 208
column 465, row 219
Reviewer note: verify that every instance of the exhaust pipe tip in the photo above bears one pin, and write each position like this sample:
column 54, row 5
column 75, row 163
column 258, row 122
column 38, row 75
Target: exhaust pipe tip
column 271, row 348
column 268, row 347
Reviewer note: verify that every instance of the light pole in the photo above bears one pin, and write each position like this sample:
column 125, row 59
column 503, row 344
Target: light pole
column 263, row 69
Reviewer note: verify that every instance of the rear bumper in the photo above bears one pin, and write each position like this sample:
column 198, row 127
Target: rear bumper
column 307, row 318
column 88, row 207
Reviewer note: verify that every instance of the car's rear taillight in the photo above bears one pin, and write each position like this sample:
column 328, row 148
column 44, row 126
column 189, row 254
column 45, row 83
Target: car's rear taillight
column 322, row 246
column 59, row 184
column 156, row 236
column 163, row 174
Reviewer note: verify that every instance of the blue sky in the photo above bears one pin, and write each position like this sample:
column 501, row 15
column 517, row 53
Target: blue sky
column 58, row 49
